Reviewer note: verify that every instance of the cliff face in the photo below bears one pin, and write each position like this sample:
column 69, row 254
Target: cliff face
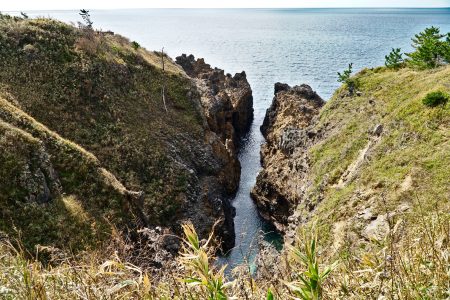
column 288, row 128
column 226, row 100
column 227, row 106
column 97, row 147
column 359, row 163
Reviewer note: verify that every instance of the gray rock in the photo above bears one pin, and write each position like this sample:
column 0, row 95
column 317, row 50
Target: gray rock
column 377, row 130
column 377, row 229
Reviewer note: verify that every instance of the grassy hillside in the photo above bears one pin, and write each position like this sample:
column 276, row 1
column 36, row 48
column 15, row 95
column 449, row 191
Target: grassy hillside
column 77, row 104
column 67, row 211
column 380, row 192
column 369, row 172
column 83, row 131
column 408, row 162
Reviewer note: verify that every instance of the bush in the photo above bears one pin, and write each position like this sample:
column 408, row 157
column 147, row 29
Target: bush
column 431, row 50
column 135, row 45
column 436, row 98
column 346, row 78
column 394, row 60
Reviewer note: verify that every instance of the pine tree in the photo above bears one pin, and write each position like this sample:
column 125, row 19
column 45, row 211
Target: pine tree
column 86, row 18
column 429, row 49
column 394, row 60
column 446, row 49
column 345, row 77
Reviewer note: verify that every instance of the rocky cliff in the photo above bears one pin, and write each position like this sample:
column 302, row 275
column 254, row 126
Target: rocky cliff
column 357, row 164
column 289, row 131
column 227, row 106
column 87, row 145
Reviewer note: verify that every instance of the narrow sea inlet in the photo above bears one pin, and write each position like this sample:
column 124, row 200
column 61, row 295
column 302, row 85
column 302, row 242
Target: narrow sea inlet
column 293, row 46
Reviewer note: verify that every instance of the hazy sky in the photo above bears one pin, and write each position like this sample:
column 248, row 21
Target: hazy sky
column 9, row 5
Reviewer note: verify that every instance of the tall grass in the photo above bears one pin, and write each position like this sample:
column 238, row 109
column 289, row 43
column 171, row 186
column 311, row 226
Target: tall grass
column 310, row 283
column 203, row 280
column 413, row 262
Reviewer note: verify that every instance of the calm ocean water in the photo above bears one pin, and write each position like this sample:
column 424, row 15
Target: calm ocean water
column 287, row 45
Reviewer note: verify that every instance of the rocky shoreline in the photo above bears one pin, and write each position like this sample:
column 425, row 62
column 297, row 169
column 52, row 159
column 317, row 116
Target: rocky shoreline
column 288, row 128
column 227, row 106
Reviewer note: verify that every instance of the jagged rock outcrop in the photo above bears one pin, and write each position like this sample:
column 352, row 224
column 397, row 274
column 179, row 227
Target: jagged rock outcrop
column 92, row 146
column 227, row 100
column 227, row 106
column 288, row 130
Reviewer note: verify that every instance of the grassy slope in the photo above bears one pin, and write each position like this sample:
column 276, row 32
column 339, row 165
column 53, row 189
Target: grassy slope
column 101, row 94
column 414, row 142
column 403, row 178
column 72, row 220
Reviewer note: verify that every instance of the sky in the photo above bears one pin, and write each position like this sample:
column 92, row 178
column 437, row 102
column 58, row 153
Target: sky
column 24, row 5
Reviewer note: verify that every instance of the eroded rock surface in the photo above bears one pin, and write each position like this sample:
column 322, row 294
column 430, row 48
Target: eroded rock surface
column 227, row 106
column 288, row 128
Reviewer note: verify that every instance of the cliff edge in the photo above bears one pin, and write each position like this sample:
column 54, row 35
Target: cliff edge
column 88, row 146
column 356, row 164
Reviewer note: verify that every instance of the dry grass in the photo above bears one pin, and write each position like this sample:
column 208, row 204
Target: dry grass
column 407, row 265
column 410, row 262
column 413, row 262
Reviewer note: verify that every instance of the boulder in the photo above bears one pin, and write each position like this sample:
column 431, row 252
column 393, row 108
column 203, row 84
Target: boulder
column 288, row 130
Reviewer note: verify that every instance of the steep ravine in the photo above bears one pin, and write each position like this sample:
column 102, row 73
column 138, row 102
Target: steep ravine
column 87, row 145
column 358, row 163
column 227, row 105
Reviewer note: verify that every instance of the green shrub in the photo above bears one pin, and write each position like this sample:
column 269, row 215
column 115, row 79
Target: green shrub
column 436, row 98
column 309, row 285
column 203, row 279
column 431, row 50
column 345, row 77
column 394, row 59
column 135, row 45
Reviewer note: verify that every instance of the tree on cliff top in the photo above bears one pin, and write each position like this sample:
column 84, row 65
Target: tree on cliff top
column 431, row 50
column 394, row 60
column 345, row 77
column 86, row 18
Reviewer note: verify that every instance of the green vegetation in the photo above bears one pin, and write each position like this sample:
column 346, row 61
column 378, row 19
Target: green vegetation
column 432, row 49
column 29, row 157
column 367, row 183
column 347, row 79
column 135, row 45
column 83, row 129
column 310, row 284
column 195, row 277
column 78, row 104
column 436, row 98
column 202, row 280
column 394, row 60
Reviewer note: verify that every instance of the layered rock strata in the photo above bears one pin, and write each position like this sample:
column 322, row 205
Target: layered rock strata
column 288, row 130
column 227, row 106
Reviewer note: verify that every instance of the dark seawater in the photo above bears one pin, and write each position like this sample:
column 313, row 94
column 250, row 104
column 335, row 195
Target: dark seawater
column 287, row 45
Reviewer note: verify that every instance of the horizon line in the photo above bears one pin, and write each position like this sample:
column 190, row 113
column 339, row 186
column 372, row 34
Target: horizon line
column 323, row 7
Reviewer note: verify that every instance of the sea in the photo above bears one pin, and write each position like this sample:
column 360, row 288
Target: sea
column 293, row 46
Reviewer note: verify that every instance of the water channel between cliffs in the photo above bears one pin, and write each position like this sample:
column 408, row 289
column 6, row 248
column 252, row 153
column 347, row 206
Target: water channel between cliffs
column 250, row 228
column 288, row 45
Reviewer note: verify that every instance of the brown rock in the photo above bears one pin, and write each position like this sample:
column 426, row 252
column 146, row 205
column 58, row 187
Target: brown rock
column 288, row 129
column 227, row 106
